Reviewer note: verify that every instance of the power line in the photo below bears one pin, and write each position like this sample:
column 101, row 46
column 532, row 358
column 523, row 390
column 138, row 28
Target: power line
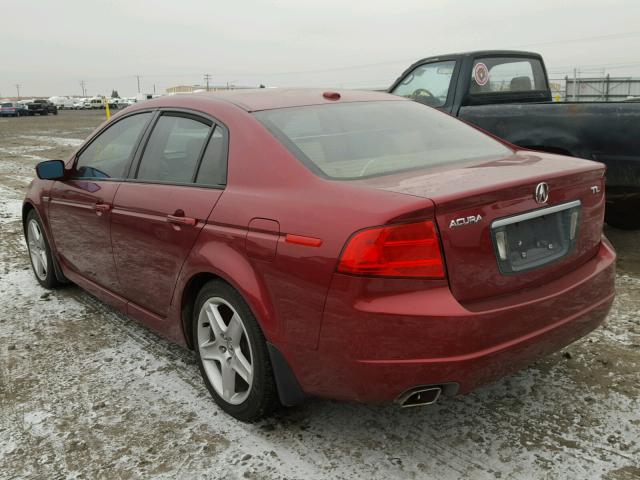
column 207, row 77
column 18, row 89
column 82, row 86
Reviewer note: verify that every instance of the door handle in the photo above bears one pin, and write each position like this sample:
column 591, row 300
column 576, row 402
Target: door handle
column 101, row 208
column 181, row 220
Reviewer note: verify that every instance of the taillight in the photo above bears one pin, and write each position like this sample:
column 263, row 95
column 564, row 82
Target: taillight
column 408, row 250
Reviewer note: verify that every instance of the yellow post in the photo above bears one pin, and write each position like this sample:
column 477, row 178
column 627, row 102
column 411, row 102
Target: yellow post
column 106, row 108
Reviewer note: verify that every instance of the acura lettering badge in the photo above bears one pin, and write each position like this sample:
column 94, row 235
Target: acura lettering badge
column 459, row 222
column 542, row 192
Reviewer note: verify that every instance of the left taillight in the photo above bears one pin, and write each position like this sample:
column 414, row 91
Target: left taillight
column 407, row 250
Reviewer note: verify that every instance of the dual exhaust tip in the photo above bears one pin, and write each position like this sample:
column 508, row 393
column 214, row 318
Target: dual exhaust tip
column 420, row 396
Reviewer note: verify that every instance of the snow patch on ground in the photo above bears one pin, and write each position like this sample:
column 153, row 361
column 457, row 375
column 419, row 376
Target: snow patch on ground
column 60, row 141
column 10, row 205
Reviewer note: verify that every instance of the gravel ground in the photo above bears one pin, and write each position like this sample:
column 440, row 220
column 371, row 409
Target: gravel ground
column 88, row 393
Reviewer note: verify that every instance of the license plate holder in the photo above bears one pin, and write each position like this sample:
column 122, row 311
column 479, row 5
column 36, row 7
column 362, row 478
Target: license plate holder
column 533, row 239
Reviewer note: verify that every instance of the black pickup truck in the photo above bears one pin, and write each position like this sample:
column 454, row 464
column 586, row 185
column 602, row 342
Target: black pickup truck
column 41, row 107
column 507, row 94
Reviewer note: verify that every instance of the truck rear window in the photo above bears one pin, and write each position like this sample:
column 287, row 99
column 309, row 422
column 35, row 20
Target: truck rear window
column 362, row 139
column 506, row 74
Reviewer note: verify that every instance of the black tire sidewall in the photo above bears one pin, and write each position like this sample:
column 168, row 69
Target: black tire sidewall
column 50, row 280
column 262, row 398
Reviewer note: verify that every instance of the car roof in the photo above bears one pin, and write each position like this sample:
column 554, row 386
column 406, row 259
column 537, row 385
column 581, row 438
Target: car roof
column 253, row 100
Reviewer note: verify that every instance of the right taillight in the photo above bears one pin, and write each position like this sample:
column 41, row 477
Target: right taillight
column 407, row 250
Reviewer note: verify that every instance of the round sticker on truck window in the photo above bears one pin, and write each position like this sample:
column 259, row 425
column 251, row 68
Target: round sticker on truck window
column 481, row 74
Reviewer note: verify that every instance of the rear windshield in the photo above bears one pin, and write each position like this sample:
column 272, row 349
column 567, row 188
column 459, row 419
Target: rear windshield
column 7, row 105
column 507, row 75
column 362, row 139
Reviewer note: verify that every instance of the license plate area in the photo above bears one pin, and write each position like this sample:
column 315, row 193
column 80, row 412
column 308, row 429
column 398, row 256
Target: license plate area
column 534, row 239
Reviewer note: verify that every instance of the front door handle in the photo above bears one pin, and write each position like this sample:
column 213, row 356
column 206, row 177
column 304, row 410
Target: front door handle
column 181, row 220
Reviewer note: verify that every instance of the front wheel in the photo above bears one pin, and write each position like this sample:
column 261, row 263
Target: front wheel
column 232, row 353
column 40, row 252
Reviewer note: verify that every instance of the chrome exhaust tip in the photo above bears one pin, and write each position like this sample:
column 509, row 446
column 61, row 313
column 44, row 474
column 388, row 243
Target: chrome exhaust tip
column 419, row 396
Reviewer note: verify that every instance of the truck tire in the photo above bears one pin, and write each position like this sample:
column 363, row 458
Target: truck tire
column 624, row 216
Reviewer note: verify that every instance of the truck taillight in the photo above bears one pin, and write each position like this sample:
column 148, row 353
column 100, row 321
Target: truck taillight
column 407, row 250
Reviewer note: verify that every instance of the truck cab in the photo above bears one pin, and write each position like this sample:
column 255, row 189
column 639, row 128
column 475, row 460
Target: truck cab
column 507, row 93
column 449, row 82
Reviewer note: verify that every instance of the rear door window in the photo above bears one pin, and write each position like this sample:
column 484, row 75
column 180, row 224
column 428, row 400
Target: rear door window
column 428, row 84
column 174, row 149
column 110, row 153
column 506, row 75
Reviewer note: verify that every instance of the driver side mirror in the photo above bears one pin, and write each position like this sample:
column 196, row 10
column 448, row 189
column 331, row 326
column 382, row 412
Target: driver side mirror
column 50, row 170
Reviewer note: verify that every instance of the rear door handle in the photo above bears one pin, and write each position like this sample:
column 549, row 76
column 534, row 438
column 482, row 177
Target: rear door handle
column 101, row 208
column 181, row 220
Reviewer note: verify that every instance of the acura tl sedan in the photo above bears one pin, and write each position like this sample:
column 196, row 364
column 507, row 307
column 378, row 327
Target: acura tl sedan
column 350, row 245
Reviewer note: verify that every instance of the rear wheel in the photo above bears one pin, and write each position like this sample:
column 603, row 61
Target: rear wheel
column 232, row 353
column 40, row 252
column 623, row 215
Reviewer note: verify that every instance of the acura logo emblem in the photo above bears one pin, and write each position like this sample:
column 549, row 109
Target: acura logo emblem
column 542, row 192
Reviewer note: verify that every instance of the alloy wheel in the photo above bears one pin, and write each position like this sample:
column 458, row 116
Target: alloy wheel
column 225, row 350
column 37, row 249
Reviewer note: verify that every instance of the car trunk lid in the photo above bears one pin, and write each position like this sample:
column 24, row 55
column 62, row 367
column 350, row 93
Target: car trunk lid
column 496, row 237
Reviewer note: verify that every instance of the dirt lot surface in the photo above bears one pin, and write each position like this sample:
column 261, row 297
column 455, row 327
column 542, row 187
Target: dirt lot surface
column 88, row 393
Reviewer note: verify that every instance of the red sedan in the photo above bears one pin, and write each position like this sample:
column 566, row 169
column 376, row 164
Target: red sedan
column 351, row 245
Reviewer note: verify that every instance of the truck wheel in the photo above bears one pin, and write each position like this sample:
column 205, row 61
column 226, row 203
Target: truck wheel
column 232, row 354
column 55, row 112
column 624, row 216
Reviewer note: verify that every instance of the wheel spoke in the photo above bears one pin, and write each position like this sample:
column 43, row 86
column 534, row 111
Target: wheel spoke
column 215, row 321
column 33, row 228
column 35, row 258
column 242, row 367
column 43, row 257
column 234, row 330
column 209, row 350
column 228, row 381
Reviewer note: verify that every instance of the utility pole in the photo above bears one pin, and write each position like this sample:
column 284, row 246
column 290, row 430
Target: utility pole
column 138, row 77
column 18, row 88
column 82, row 85
column 207, row 77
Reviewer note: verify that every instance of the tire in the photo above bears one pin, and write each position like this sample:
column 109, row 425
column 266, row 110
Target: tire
column 237, row 354
column 40, row 252
column 623, row 217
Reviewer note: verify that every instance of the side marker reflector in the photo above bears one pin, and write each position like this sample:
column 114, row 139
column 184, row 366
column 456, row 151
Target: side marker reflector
column 302, row 240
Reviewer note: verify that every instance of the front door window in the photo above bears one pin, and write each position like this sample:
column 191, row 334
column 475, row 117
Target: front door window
column 428, row 84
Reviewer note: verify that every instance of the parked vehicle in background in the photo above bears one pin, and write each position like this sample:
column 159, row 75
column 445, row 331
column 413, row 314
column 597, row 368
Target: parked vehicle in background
column 507, row 94
column 63, row 103
column 143, row 97
column 95, row 103
column 11, row 109
column 41, row 107
column 385, row 252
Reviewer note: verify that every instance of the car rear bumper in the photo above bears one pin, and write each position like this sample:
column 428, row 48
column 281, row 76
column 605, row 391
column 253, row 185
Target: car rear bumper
column 373, row 346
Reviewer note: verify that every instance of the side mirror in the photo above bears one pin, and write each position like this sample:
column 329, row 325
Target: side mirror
column 50, row 170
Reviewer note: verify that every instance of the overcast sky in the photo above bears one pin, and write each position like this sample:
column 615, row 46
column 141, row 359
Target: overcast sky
column 49, row 46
